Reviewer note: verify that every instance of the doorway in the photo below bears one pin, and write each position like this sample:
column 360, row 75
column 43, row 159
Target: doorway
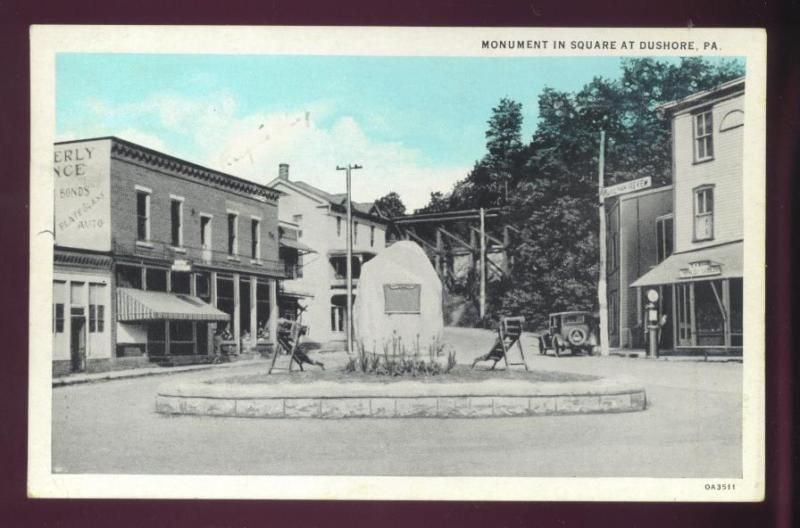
column 77, row 346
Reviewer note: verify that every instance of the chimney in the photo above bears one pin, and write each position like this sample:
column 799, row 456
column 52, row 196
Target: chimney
column 283, row 171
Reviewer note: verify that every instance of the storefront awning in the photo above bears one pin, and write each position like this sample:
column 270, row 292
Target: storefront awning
column 717, row 262
column 139, row 305
column 296, row 244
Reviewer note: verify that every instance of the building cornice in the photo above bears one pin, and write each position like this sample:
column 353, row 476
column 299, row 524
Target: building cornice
column 127, row 151
column 721, row 92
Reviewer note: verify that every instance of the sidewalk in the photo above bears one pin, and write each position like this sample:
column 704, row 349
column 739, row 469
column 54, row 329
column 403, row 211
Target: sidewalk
column 74, row 379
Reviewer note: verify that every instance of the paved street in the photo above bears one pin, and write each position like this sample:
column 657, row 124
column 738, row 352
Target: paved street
column 692, row 428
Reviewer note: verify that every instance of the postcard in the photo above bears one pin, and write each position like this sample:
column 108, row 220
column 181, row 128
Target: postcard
column 397, row 263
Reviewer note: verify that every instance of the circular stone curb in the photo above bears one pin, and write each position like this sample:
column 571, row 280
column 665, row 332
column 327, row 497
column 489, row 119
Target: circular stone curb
column 405, row 399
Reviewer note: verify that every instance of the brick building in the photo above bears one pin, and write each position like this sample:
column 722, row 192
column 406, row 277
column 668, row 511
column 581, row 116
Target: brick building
column 154, row 255
column 701, row 282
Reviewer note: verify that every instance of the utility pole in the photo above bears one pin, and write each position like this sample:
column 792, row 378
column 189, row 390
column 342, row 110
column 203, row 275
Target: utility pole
column 483, row 265
column 349, row 237
column 602, row 296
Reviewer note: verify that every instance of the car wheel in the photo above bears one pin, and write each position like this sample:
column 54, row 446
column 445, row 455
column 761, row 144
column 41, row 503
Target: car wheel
column 556, row 347
column 542, row 348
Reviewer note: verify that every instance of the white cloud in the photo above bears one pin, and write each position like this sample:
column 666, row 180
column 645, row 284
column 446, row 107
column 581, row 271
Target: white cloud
column 251, row 146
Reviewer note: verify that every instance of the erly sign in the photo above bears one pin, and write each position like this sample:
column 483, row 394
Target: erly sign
column 626, row 187
column 82, row 188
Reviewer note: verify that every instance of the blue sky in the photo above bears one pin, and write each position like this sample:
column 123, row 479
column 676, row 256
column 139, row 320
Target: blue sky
column 416, row 123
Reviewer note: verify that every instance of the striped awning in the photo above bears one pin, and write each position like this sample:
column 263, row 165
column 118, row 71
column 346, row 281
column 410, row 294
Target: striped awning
column 139, row 305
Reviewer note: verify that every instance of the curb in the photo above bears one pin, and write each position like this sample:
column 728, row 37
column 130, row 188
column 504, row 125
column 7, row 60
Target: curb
column 468, row 401
column 142, row 373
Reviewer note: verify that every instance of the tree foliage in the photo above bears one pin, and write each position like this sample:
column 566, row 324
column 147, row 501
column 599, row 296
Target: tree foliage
column 552, row 181
column 391, row 205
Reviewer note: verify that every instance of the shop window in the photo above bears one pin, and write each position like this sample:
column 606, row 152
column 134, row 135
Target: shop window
column 129, row 276
column 709, row 313
column 255, row 238
column 59, row 300
column 401, row 298
column 176, row 221
column 664, row 237
column 203, row 286
column 156, row 279
column 736, row 294
column 156, row 338
column 142, row 215
column 704, row 213
column 233, row 227
column 262, row 306
column 97, row 318
column 703, row 136
column 225, row 297
column 180, row 282
column 181, row 338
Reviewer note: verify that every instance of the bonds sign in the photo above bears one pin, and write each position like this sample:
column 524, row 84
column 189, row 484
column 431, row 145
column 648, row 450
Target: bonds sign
column 626, row 187
column 82, row 188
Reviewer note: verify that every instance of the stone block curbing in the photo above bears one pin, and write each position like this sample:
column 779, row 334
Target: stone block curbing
column 449, row 401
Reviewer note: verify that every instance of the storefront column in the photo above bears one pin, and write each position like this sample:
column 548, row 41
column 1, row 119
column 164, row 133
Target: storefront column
column 237, row 313
column 254, row 308
column 212, row 327
column 273, row 313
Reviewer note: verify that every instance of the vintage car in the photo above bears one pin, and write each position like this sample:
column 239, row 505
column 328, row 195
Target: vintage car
column 575, row 332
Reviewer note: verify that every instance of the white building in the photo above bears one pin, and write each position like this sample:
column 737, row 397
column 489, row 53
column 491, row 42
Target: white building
column 321, row 222
column 701, row 283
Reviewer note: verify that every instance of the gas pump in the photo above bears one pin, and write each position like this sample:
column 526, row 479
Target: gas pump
column 652, row 324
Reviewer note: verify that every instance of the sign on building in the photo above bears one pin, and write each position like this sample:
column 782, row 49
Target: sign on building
column 82, row 188
column 700, row 268
column 626, row 187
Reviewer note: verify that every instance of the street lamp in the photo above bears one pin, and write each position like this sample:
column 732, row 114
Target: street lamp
column 349, row 237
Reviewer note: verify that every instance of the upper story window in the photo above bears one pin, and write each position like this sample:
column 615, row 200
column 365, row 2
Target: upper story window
column 143, row 214
column 205, row 231
column 355, row 233
column 704, row 213
column 664, row 244
column 298, row 219
column 338, row 226
column 703, row 136
column 233, row 228
column 371, row 236
column 255, row 238
column 176, row 220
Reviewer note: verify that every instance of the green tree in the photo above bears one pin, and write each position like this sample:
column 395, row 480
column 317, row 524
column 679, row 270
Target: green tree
column 391, row 205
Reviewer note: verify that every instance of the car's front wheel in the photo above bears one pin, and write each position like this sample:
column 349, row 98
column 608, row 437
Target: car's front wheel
column 542, row 347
